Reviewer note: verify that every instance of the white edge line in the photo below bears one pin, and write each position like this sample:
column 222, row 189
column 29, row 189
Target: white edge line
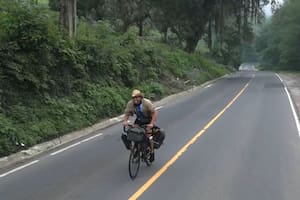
column 279, row 78
column 208, row 86
column 19, row 168
column 52, row 154
column 64, row 149
column 292, row 105
column 90, row 138
column 73, row 145
column 293, row 110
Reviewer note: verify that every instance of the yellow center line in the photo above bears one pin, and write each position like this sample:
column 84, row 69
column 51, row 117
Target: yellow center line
column 162, row 170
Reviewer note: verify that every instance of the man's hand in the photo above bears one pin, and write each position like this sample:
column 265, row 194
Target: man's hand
column 150, row 126
column 125, row 123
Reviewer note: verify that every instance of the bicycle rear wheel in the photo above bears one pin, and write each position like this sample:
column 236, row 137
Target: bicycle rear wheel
column 134, row 162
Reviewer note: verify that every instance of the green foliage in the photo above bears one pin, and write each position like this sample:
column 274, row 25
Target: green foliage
column 32, row 55
column 153, row 90
column 54, row 4
column 8, row 135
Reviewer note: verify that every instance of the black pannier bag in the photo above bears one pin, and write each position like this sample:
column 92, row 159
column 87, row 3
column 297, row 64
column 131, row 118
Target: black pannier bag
column 135, row 134
column 158, row 138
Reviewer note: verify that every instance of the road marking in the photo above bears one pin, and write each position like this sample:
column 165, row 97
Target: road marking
column 208, row 86
column 76, row 144
column 66, row 148
column 90, row 138
column 293, row 111
column 160, row 172
column 292, row 106
column 19, row 168
column 52, row 154
column 279, row 78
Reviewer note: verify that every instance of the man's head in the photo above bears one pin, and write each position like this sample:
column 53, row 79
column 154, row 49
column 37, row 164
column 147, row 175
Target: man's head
column 137, row 96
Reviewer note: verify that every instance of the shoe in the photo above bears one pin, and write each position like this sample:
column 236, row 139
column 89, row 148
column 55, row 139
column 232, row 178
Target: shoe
column 151, row 159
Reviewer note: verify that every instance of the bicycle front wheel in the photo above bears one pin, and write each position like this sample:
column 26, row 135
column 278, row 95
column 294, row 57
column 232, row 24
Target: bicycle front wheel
column 134, row 162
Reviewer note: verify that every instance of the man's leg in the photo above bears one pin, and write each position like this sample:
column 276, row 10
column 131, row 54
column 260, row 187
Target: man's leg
column 150, row 137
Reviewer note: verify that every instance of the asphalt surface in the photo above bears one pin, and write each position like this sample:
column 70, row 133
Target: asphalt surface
column 247, row 147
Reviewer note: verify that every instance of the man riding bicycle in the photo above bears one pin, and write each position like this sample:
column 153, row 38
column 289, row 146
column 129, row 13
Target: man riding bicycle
column 145, row 115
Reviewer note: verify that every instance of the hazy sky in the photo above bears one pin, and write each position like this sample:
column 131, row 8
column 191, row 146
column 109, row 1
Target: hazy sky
column 267, row 8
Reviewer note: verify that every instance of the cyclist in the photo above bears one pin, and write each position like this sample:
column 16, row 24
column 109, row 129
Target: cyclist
column 145, row 115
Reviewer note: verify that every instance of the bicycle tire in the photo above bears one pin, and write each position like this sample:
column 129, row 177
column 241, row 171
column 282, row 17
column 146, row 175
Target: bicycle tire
column 134, row 162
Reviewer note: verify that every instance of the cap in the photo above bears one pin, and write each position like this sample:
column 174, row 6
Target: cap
column 136, row 93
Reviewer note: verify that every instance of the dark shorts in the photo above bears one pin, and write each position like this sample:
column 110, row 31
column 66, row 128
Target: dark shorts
column 140, row 123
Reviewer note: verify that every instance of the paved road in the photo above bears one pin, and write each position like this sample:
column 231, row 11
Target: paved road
column 246, row 147
column 248, row 67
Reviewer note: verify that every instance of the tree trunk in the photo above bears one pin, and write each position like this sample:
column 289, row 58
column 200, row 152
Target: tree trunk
column 209, row 39
column 222, row 23
column 191, row 43
column 164, row 32
column 141, row 28
column 68, row 13
column 193, row 39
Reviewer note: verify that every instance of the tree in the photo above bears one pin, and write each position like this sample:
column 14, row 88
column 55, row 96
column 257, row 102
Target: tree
column 230, row 34
column 68, row 14
column 191, row 19
column 279, row 41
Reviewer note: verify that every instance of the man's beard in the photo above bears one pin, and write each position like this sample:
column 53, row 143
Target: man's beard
column 137, row 104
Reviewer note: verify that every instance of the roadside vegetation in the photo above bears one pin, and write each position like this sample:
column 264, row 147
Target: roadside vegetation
column 279, row 42
column 51, row 84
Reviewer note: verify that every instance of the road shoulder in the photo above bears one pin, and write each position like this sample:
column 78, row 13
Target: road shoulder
column 292, row 82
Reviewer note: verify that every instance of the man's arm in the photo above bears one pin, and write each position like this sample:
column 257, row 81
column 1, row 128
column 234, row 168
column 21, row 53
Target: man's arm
column 126, row 117
column 151, row 108
column 127, row 113
column 154, row 117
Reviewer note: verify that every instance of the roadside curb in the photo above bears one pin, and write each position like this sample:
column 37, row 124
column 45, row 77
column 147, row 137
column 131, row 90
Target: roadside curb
column 55, row 143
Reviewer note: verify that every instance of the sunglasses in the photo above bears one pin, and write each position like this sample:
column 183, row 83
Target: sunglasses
column 135, row 97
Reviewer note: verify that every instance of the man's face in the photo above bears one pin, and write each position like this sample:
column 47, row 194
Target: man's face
column 137, row 99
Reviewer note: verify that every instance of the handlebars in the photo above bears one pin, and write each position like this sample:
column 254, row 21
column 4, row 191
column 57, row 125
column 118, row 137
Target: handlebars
column 126, row 128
